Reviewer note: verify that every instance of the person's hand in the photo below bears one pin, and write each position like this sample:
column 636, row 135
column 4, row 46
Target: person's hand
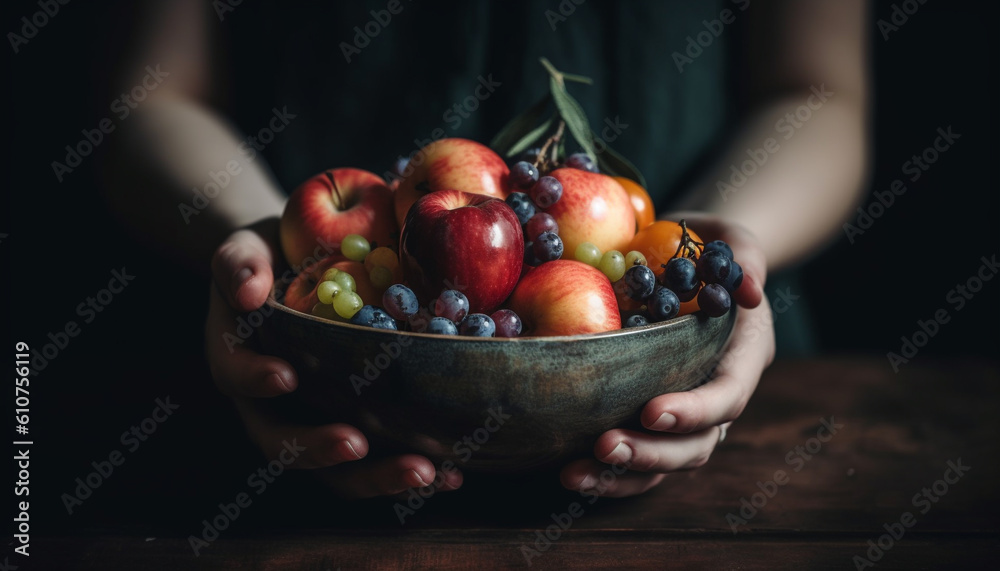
column 684, row 428
column 243, row 274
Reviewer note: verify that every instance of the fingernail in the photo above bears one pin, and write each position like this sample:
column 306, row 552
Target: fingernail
column 414, row 479
column 241, row 276
column 622, row 454
column 588, row 482
column 665, row 422
column 278, row 380
column 347, row 450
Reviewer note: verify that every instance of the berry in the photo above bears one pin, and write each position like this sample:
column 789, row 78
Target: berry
column 419, row 320
column 452, row 304
column 541, row 222
column 365, row 316
column 326, row 291
column 639, row 282
column 355, row 247
column 346, row 281
column 547, row 191
column 326, row 312
column 330, row 274
column 612, row 264
column 636, row 321
column 548, row 247
column 588, row 254
column 581, row 161
column 680, row 275
column 507, row 323
column 718, row 246
column 713, row 267
column 663, row 304
column 400, row 302
column 531, row 155
column 382, row 320
column 714, row 300
column 382, row 256
column 522, row 206
column 735, row 278
column 381, row 277
column 400, row 166
column 523, row 174
column 441, row 326
column 347, row 303
column 478, row 325
column 635, row 258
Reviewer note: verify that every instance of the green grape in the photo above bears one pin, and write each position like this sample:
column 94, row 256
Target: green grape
column 325, row 311
column 588, row 254
column 355, row 247
column 381, row 277
column 327, row 291
column 346, row 281
column 330, row 274
column 347, row 304
column 635, row 258
column 613, row 265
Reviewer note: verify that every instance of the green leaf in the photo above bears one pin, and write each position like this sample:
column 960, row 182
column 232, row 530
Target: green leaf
column 612, row 162
column 519, row 126
column 576, row 120
column 537, row 134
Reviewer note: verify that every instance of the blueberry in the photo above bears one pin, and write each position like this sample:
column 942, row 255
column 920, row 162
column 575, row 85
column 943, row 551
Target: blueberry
column 442, row 326
column 478, row 325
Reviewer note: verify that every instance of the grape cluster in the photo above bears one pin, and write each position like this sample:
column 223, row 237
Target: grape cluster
column 541, row 232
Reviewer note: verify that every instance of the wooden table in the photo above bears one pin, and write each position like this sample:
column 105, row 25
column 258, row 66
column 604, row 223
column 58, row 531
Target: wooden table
column 896, row 435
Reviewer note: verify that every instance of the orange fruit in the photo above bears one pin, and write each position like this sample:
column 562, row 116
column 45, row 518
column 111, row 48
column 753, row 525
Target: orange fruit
column 658, row 242
column 642, row 204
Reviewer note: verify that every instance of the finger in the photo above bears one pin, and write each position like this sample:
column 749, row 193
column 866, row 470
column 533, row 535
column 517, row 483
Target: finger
column 645, row 452
column 387, row 476
column 242, row 270
column 722, row 399
column 593, row 478
column 236, row 369
column 301, row 447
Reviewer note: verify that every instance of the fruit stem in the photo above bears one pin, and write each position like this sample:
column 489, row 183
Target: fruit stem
column 687, row 243
column 541, row 161
column 335, row 189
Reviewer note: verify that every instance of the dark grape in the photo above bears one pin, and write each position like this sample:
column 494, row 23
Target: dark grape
column 522, row 205
column 581, row 161
column 547, row 191
column 400, row 302
column 541, row 222
column 419, row 320
column 714, row 300
column 507, row 322
column 714, row 267
column 383, row 320
column 636, row 320
column 735, row 278
column 663, row 304
column 478, row 325
column 442, row 326
column 548, row 247
column 718, row 246
column 365, row 316
column 531, row 155
column 400, row 166
column 523, row 174
column 639, row 282
column 452, row 304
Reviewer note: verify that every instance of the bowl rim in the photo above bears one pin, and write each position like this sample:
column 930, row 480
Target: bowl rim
column 625, row 331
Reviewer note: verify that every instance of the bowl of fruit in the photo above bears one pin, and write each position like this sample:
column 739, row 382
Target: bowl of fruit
column 500, row 315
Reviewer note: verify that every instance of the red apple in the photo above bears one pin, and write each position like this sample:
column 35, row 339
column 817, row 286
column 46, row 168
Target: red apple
column 332, row 205
column 301, row 293
column 565, row 297
column 468, row 242
column 452, row 164
column 594, row 208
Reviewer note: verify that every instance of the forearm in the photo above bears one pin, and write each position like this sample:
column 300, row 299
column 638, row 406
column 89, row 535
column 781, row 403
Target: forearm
column 181, row 178
column 799, row 179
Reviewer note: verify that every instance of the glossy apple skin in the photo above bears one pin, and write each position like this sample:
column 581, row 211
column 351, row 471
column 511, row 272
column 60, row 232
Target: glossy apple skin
column 313, row 212
column 452, row 164
column 565, row 297
column 469, row 242
column 301, row 293
column 593, row 208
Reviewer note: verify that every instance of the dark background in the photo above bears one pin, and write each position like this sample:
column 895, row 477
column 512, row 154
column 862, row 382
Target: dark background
column 939, row 70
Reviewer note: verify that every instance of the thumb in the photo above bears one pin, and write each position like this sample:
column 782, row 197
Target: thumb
column 242, row 270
